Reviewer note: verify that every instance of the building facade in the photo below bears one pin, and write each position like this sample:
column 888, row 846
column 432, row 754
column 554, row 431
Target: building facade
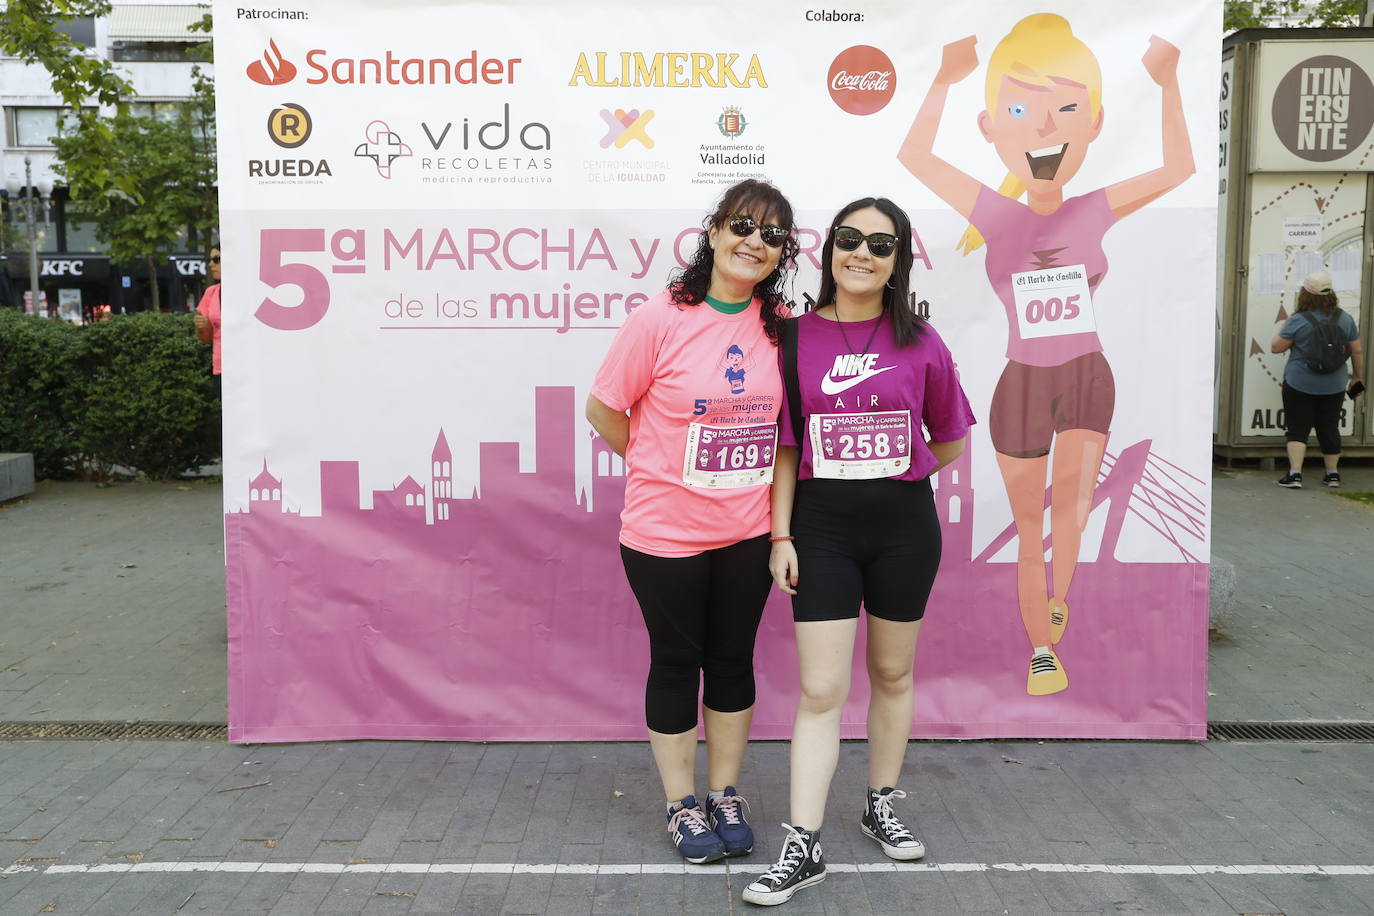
column 151, row 47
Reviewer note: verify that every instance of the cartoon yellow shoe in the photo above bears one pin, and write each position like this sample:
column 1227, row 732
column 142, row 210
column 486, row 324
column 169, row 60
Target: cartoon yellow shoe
column 1059, row 620
column 1046, row 674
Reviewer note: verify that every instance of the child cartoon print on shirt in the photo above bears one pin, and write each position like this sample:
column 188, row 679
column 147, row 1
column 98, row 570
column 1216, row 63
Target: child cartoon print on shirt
column 735, row 364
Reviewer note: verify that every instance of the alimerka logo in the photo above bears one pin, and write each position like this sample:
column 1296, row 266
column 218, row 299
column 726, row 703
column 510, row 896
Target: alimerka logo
column 272, row 69
column 862, row 80
column 670, row 69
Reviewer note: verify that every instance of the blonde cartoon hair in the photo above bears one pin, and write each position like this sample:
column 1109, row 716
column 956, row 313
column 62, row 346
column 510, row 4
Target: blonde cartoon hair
column 1038, row 48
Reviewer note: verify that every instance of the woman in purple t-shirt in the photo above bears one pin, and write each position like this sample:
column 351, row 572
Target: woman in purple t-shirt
column 1045, row 262
column 854, row 519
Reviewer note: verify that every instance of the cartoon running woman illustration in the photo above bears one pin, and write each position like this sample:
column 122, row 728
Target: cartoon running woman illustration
column 1045, row 263
column 735, row 366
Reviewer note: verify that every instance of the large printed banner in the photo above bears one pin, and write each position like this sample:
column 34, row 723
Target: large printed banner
column 436, row 215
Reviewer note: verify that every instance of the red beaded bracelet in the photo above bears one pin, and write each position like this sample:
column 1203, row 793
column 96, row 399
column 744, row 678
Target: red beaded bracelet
column 785, row 537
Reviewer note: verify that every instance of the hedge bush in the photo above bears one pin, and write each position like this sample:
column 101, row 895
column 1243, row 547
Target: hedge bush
column 134, row 392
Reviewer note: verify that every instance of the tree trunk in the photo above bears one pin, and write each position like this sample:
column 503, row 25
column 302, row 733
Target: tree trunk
column 152, row 283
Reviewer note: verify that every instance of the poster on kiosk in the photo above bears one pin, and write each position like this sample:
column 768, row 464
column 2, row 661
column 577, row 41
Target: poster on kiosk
column 437, row 215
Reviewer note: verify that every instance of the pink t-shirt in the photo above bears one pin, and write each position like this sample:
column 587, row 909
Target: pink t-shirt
column 671, row 367
column 1046, row 268
column 209, row 307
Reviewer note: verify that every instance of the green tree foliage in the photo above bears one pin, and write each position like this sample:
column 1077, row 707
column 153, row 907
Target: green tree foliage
column 38, row 404
column 168, row 176
column 31, row 31
column 146, row 397
column 133, row 392
column 1250, row 14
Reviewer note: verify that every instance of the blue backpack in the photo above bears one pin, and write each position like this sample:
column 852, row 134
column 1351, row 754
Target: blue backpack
column 1329, row 348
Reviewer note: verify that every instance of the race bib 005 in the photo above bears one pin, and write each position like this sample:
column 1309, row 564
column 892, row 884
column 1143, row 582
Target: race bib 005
column 1053, row 302
column 726, row 457
column 860, row 446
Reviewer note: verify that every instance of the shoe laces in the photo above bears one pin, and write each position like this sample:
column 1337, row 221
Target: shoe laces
column 728, row 808
column 793, row 854
column 1043, row 664
column 690, row 819
column 1056, row 617
column 882, row 810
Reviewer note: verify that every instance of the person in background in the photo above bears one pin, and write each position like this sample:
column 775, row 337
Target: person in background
column 206, row 317
column 1312, row 398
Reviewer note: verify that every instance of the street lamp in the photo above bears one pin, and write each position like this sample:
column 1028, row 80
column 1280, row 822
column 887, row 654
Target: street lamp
column 34, row 301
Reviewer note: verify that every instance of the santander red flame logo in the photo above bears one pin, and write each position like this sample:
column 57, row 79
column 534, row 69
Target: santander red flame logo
column 272, row 69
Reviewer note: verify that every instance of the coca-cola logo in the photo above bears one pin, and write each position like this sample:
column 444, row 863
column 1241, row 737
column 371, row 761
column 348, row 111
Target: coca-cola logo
column 862, row 80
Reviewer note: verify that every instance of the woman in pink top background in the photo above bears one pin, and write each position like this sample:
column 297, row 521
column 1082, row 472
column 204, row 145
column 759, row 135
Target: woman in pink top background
column 689, row 395
column 1045, row 263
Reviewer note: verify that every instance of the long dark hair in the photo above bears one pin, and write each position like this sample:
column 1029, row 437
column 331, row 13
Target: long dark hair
column 1308, row 301
column 906, row 326
column 688, row 286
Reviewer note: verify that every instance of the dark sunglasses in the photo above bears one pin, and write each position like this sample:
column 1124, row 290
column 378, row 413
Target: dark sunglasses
column 880, row 244
column 744, row 225
column 214, row 259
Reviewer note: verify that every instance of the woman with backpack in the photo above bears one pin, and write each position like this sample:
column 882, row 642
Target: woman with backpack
column 1319, row 339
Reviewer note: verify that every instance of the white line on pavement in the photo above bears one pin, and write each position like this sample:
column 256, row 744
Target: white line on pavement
column 515, row 868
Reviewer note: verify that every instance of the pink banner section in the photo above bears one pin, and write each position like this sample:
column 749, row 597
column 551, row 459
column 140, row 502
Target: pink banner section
column 503, row 613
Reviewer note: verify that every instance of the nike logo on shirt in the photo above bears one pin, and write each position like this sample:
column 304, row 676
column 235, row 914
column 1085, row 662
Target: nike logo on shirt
column 859, row 367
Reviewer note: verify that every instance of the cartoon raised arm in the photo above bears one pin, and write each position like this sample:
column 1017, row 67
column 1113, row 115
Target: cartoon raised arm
column 1124, row 197
column 954, row 187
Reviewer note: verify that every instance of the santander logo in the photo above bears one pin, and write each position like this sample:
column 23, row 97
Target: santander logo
column 272, row 69
column 862, row 80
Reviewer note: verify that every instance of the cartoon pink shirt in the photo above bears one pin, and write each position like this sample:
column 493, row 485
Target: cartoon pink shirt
column 1046, row 269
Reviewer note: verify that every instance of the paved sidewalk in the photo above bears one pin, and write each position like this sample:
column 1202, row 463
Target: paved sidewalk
column 113, row 604
column 477, row 829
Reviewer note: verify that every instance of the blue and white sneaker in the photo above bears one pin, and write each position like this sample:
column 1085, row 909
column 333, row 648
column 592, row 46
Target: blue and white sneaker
column 726, row 816
column 692, row 835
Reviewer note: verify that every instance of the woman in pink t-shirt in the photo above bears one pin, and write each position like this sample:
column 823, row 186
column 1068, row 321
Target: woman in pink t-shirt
column 689, row 395
column 207, row 317
column 1046, row 264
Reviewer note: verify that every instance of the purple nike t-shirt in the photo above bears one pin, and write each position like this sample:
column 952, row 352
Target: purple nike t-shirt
column 863, row 412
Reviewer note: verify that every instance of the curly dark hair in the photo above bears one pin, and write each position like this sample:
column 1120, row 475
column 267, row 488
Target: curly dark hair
column 766, row 204
column 1308, row 301
column 906, row 324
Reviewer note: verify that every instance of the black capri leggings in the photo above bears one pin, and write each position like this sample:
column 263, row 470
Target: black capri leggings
column 1302, row 411
column 702, row 613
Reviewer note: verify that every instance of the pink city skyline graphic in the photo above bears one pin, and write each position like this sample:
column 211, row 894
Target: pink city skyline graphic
column 502, row 612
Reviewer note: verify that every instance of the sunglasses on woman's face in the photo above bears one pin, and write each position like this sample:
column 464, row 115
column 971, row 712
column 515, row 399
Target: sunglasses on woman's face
column 743, row 225
column 214, row 259
column 880, row 244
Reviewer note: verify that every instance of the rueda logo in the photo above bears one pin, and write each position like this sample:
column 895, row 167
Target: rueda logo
column 383, row 146
column 624, row 126
column 862, row 80
column 289, row 126
column 272, row 69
